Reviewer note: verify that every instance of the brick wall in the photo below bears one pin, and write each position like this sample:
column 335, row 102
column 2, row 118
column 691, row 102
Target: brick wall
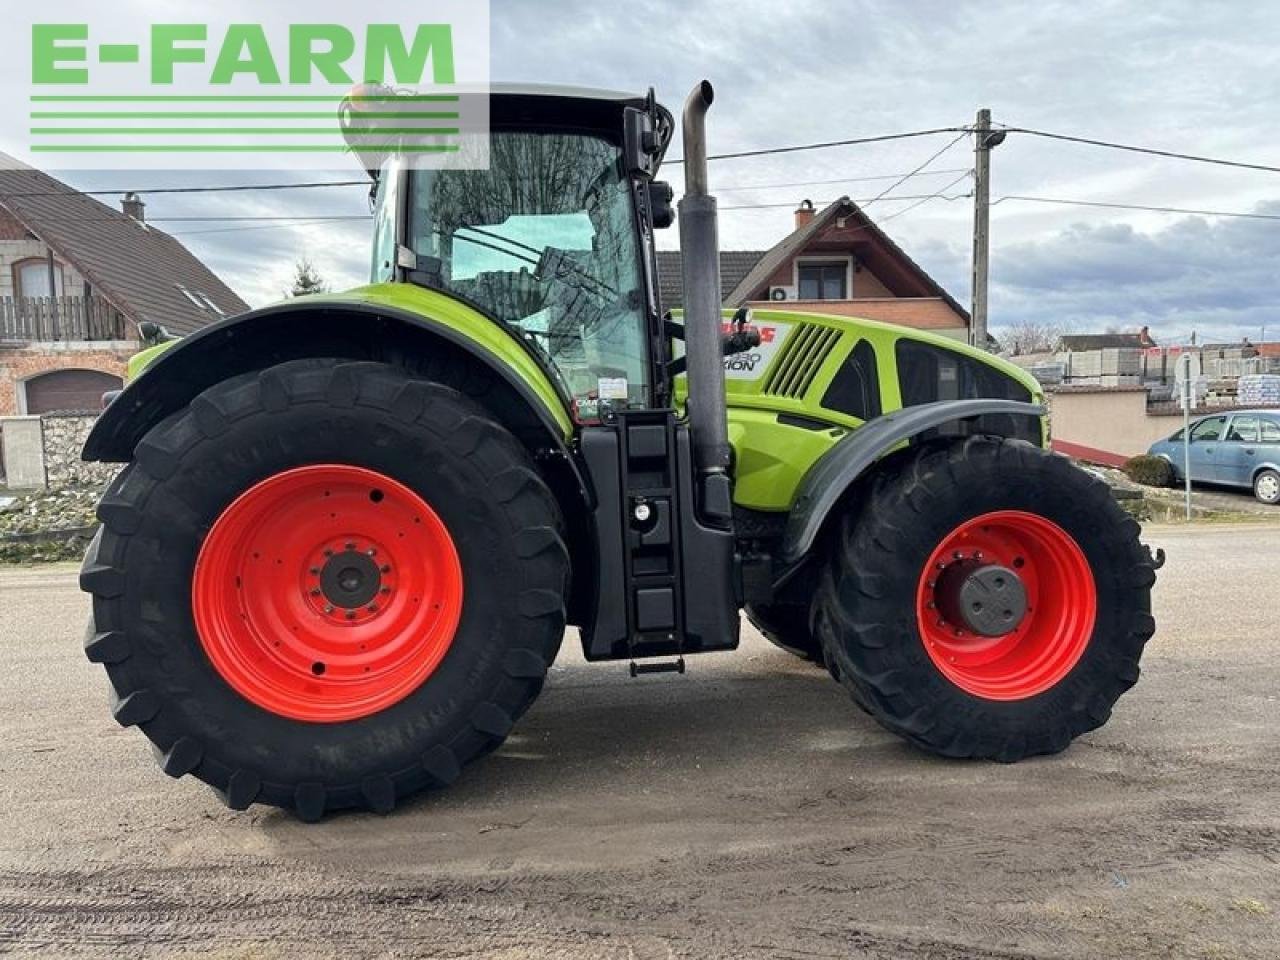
column 21, row 363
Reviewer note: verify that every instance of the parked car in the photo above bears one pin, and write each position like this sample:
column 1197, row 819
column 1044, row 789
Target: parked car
column 1237, row 449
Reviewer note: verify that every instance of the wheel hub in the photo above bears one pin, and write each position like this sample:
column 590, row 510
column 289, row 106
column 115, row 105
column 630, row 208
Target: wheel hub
column 984, row 598
column 351, row 580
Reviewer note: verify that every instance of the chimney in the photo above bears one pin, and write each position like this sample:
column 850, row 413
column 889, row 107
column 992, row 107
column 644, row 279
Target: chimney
column 134, row 208
column 804, row 214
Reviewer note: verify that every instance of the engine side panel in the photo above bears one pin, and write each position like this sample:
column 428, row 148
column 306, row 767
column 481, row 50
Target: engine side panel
column 815, row 379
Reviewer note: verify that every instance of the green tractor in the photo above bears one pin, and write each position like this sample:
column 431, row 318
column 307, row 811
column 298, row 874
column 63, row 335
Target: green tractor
column 352, row 529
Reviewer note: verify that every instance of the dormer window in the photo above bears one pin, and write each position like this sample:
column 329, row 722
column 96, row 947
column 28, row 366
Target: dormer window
column 823, row 279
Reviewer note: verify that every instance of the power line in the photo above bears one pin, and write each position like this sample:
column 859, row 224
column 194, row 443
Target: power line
column 860, row 202
column 273, row 226
column 1138, row 206
column 824, row 183
column 907, row 176
column 1148, row 150
column 827, row 144
column 940, row 195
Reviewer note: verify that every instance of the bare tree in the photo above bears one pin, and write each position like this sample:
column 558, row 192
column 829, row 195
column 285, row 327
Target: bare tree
column 1031, row 336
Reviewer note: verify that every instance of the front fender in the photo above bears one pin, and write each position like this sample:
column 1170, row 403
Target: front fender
column 388, row 323
column 828, row 480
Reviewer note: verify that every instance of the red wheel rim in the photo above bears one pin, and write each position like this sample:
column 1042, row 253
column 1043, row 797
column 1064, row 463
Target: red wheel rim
column 327, row 593
column 1061, row 607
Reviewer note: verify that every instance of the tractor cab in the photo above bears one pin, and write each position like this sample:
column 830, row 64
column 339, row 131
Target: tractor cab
column 553, row 241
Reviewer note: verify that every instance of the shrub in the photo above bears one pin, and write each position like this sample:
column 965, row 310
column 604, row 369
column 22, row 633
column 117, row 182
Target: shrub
column 1149, row 471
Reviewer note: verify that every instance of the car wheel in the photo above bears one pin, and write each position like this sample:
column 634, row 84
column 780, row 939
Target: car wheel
column 1266, row 486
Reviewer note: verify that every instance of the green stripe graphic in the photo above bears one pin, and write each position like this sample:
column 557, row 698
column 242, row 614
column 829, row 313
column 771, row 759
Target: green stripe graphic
column 264, row 98
column 240, row 148
column 241, row 131
column 238, row 115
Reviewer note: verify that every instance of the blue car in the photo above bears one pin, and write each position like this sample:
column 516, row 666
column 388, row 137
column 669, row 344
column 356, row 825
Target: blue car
column 1237, row 449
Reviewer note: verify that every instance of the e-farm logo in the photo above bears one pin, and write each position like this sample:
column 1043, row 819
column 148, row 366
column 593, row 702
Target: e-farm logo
column 249, row 95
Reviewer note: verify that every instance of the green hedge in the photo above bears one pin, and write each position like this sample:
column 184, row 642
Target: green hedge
column 1149, row 471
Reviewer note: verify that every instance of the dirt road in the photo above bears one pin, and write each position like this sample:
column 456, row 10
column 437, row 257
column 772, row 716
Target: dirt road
column 745, row 809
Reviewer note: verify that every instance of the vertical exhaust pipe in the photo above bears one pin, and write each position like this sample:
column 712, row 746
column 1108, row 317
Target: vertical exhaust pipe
column 700, row 254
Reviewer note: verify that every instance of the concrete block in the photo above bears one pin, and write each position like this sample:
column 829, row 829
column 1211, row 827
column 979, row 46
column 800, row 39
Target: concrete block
column 23, row 452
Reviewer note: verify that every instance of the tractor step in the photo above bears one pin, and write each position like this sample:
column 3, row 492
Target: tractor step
column 666, row 666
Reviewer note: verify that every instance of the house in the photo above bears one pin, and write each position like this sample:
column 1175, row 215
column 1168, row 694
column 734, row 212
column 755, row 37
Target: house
column 76, row 277
column 835, row 261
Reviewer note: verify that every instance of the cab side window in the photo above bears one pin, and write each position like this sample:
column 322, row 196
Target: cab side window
column 1208, row 430
column 1243, row 430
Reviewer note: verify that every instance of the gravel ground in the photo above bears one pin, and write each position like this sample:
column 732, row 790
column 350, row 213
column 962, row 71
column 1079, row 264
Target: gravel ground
column 745, row 809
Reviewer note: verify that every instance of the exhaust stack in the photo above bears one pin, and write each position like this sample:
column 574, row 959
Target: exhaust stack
column 700, row 253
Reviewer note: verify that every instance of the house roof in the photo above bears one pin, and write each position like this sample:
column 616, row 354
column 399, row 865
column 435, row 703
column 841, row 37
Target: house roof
column 752, row 286
column 734, row 265
column 139, row 269
column 1099, row 341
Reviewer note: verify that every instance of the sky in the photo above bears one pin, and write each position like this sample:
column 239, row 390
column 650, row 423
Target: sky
column 1198, row 77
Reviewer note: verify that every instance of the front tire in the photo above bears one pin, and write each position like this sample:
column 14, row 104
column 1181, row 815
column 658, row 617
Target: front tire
column 987, row 505
column 326, row 585
column 1266, row 487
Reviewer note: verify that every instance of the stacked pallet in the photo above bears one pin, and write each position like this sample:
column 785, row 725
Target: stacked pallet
column 1259, row 390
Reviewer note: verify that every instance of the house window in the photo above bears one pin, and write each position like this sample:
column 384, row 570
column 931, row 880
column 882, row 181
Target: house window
column 823, row 281
column 31, row 278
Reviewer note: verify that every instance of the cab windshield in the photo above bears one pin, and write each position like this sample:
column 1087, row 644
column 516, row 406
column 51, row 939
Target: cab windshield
column 544, row 241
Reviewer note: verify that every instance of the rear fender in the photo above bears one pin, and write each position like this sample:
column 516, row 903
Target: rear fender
column 347, row 327
column 828, row 480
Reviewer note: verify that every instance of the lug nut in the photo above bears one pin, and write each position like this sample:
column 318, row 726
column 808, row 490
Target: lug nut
column 385, row 568
column 350, row 545
column 328, row 552
column 371, row 552
column 315, row 591
column 351, row 614
column 328, row 608
column 385, row 590
column 315, row 571
column 373, row 608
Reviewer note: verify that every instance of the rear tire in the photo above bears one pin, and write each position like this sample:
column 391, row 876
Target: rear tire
column 786, row 626
column 425, row 438
column 1266, row 487
column 869, row 603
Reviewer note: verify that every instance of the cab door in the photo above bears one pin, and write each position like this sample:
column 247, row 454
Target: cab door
column 1237, row 455
column 1206, row 442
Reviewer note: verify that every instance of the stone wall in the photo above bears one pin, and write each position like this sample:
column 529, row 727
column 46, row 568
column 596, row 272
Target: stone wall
column 64, row 436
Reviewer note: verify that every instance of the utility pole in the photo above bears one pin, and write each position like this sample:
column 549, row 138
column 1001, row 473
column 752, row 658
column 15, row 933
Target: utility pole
column 983, row 140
